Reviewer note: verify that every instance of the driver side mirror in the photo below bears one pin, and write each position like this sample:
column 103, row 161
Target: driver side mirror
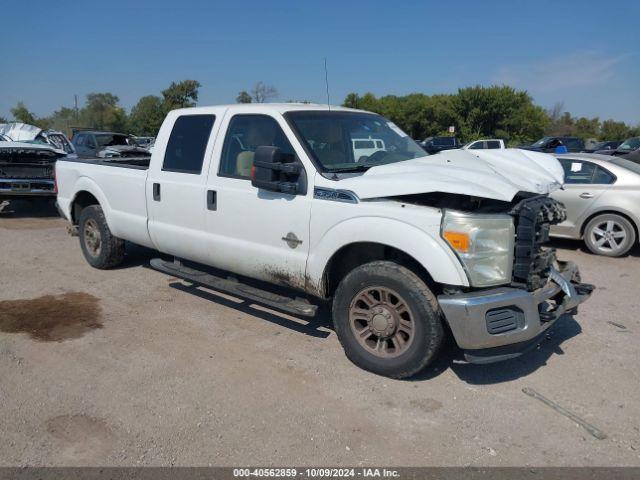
column 274, row 171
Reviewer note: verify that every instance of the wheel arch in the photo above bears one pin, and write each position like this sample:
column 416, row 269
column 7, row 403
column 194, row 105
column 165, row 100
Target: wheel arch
column 355, row 242
column 355, row 254
column 87, row 193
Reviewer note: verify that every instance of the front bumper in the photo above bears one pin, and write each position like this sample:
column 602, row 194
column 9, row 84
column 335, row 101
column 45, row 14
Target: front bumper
column 502, row 323
column 31, row 187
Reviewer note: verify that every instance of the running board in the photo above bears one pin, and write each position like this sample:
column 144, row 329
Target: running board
column 235, row 287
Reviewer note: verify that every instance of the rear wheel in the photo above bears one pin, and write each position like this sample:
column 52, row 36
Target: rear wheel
column 387, row 319
column 100, row 247
column 610, row 235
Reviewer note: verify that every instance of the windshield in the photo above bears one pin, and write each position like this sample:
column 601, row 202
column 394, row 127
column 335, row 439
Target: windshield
column 630, row 144
column 344, row 141
column 541, row 142
column 108, row 140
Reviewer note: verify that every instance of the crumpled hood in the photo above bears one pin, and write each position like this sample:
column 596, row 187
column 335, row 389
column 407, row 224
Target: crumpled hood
column 495, row 174
column 17, row 131
column 30, row 146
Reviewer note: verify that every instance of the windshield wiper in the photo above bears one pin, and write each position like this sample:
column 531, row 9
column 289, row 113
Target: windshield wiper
column 355, row 168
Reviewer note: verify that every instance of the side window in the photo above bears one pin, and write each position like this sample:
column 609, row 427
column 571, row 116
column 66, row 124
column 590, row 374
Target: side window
column 187, row 143
column 477, row 146
column 89, row 141
column 577, row 171
column 244, row 135
column 602, row 177
column 80, row 140
column 493, row 144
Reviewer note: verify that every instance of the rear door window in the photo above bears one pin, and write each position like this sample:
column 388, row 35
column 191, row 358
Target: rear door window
column 585, row 173
column 493, row 144
column 187, row 144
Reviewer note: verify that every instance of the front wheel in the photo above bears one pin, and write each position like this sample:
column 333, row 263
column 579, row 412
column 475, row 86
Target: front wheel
column 610, row 235
column 387, row 319
column 100, row 247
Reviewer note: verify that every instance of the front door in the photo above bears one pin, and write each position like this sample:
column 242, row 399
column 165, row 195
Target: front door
column 257, row 233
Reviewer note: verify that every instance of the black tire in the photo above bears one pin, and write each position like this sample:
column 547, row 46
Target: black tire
column 91, row 226
column 622, row 239
column 428, row 331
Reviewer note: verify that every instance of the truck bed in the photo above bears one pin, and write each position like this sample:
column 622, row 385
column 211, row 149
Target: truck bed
column 120, row 191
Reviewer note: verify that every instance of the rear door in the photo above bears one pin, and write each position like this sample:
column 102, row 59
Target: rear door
column 176, row 184
column 257, row 233
column 584, row 183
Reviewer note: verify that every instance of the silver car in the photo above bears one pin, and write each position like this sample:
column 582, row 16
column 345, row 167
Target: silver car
column 602, row 196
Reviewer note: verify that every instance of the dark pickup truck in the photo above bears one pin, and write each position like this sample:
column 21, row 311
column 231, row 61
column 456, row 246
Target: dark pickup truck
column 438, row 144
column 27, row 170
column 551, row 144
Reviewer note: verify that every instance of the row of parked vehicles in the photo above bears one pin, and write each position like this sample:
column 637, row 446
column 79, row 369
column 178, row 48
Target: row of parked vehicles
column 545, row 144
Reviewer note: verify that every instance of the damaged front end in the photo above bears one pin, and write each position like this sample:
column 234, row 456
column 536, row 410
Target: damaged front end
column 27, row 170
column 493, row 324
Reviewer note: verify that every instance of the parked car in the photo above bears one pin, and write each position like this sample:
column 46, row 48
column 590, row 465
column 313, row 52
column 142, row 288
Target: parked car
column 629, row 146
column 27, row 170
column 438, row 144
column 401, row 242
column 602, row 197
column 25, row 133
column 550, row 144
column 90, row 143
column 604, row 148
column 488, row 144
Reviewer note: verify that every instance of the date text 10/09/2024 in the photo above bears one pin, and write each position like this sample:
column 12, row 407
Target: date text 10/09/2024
column 316, row 472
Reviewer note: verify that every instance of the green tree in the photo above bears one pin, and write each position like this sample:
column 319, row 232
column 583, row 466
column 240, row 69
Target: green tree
column 351, row 101
column 62, row 120
column 180, row 95
column 498, row 111
column 612, row 130
column 22, row 114
column 146, row 116
column 103, row 112
column 243, row 97
column 587, row 127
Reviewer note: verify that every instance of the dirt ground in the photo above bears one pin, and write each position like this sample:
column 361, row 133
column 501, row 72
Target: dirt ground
column 133, row 367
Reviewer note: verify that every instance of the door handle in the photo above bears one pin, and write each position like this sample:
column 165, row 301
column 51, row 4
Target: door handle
column 586, row 195
column 212, row 200
column 156, row 192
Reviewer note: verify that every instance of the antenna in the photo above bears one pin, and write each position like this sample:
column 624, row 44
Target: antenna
column 326, row 81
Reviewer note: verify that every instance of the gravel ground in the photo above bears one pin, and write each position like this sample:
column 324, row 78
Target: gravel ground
column 133, row 367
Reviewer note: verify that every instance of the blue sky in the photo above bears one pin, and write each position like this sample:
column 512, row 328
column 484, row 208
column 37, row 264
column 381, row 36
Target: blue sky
column 585, row 54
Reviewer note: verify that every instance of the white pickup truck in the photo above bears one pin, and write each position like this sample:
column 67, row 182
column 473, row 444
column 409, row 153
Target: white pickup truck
column 406, row 246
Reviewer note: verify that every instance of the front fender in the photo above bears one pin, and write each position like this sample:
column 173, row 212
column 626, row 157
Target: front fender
column 433, row 254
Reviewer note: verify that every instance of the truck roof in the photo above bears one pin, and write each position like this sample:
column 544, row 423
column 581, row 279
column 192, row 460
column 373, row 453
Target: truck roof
column 266, row 107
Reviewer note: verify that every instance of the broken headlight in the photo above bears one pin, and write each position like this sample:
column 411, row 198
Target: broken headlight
column 483, row 243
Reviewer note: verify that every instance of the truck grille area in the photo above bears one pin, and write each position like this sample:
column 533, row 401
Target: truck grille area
column 533, row 218
column 26, row 171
